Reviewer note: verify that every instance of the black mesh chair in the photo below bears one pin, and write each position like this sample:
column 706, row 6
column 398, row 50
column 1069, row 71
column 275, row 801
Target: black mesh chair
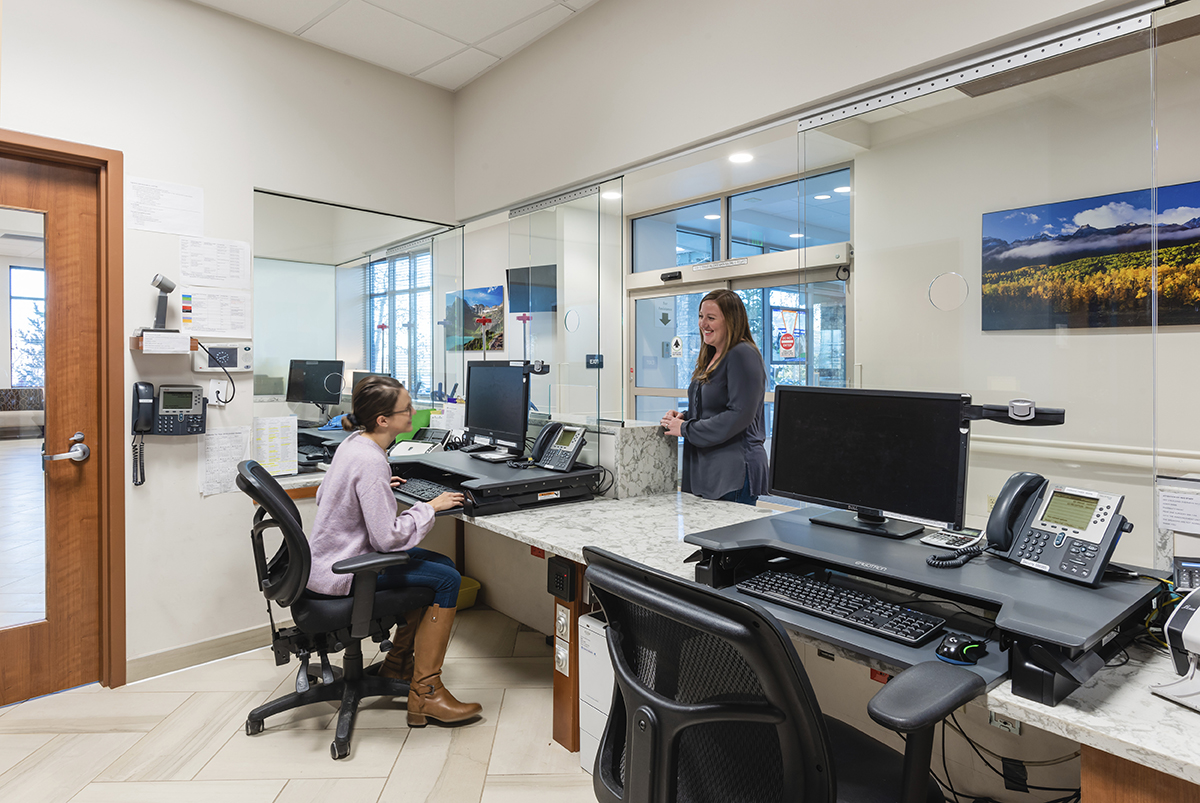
column 323, row 624
column 711, row 703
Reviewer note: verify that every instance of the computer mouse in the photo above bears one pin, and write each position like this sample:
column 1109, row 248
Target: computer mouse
column 960, row 649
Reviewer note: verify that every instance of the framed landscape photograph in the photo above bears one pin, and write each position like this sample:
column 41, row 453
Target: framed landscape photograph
column 477, row 318
column 1087, row 263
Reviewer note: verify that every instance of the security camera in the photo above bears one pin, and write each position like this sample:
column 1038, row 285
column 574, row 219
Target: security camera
column 162, row 283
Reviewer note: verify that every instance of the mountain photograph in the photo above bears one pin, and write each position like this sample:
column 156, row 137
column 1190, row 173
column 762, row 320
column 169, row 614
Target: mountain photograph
column 1090, row 262
column 477, row 319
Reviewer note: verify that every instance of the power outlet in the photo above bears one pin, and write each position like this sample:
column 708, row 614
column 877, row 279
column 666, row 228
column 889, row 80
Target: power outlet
column 218, row 392
column 991, row 503
column 1004, row 723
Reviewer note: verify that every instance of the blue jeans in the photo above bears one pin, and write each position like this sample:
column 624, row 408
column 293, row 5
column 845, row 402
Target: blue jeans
column 743, row 496
column 425, row 569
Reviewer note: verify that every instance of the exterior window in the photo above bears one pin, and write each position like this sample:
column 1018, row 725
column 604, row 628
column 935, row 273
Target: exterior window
column 400, row 319
column 27, row 326
column 686, row 236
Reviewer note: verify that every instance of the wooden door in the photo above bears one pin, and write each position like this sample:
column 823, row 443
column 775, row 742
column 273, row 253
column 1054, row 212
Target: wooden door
column 80, row 638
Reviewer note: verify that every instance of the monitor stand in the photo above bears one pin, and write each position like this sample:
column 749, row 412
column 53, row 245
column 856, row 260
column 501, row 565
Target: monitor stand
column 869, row 524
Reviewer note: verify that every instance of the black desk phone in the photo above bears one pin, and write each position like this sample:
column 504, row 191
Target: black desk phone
column 1062, row 531
column 557, row 446
column 173, row 410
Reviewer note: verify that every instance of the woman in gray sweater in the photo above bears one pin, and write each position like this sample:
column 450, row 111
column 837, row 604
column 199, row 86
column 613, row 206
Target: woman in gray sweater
column 723, row 429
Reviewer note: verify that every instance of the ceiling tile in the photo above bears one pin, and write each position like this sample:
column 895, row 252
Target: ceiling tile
column 579, row 5
column 466, row 20
column 458, row 69
column 369, row 33
column 283, row 15
column 507, row 42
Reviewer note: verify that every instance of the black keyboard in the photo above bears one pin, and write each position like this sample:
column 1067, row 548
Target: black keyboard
column 311, row 452
column 843, row 605
column 423, row 489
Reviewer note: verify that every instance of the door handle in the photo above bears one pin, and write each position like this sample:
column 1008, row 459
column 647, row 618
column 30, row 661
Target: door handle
column 78, row 451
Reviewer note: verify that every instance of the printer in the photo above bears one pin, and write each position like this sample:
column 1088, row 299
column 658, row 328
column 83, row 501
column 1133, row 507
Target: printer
column 1183, row 637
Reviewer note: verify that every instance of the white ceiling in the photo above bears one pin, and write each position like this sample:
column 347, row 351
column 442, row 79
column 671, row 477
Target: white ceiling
column 448, row 43
column 21, row 234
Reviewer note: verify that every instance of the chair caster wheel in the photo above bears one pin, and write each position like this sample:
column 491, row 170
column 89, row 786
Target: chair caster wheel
column 339, row 751
column 253, row 728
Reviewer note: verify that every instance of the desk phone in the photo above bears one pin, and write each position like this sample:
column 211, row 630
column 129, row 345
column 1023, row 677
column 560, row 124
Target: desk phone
column 1062, row 531
column 557, row 446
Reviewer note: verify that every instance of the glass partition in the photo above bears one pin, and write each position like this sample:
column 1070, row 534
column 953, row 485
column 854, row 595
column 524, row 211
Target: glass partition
column 1001, row 249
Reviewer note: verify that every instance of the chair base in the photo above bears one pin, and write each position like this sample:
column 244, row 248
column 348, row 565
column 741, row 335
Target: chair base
column 351, row 688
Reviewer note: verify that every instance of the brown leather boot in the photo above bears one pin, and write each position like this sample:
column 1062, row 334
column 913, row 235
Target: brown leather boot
column 428, row 698
column 398, row 663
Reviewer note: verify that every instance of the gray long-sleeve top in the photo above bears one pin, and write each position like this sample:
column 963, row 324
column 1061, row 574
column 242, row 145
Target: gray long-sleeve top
column 723, row 430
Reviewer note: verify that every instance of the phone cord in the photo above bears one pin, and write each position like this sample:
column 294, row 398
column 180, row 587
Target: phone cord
column 957, row 558
column 139, row 460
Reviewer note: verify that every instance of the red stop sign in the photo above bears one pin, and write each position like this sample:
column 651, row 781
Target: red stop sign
column 786, row 341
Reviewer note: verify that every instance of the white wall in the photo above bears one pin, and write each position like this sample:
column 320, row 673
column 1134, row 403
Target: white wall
column 626, row 79
column 197, row 97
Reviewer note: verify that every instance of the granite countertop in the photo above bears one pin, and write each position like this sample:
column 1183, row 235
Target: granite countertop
column 1115, row 712
column 648, row 529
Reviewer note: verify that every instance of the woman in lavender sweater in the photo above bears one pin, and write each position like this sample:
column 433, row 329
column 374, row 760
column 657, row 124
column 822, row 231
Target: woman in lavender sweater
column 356, row 514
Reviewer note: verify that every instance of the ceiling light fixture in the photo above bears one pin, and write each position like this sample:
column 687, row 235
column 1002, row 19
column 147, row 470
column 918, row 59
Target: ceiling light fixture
column 841, row 189
column 796, row 236
column 611, row 195
column 712, row 217
column 822, row 197
column 741, row 158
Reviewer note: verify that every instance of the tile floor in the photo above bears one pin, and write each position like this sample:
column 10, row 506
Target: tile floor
column 181, row 738
column 22, row 534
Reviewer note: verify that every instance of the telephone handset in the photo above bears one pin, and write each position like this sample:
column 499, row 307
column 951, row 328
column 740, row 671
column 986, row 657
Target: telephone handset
column 175, row 410
column 1063, row 531
column 143, row 408
column 557, row 446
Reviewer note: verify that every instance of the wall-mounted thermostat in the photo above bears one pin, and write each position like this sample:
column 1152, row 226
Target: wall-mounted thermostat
column 230, row 356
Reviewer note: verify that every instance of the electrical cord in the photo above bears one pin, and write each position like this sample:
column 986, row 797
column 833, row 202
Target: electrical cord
column 139, row 458
column 957, row 558
column 227, row 376
column 986, row 763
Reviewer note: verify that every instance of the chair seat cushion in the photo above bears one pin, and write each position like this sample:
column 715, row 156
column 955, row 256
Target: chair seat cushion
column 868, row 771
column 316, row 613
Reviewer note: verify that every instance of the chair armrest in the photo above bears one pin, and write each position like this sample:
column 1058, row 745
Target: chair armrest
column 372, row 561
column 923, row 695
column 366, row 569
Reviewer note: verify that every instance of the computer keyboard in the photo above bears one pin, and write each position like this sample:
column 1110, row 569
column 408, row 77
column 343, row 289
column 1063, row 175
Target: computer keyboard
column 311, row 452
column 843, row 605
column 423, row 489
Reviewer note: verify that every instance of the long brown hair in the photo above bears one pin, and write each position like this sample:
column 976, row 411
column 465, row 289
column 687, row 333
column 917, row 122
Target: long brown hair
column 737, row 330
column 374, row 396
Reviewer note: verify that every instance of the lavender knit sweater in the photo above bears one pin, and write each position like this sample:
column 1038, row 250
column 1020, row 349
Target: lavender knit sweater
column 356, row 514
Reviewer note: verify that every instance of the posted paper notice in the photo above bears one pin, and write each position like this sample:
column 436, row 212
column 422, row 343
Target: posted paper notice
column 214, row 263
column 221, row 449
column 1179, row 510
column 275, row 444
column 164, row 207
column 166, row 343
column 215, row 313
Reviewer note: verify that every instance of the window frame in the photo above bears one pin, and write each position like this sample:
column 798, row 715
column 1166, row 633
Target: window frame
column 12, row 331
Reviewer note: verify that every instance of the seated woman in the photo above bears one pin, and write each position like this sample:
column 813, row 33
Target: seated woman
column 356, row 514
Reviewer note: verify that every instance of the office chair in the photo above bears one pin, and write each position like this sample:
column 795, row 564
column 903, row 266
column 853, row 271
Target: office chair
column 711, row 703
column 323, row 624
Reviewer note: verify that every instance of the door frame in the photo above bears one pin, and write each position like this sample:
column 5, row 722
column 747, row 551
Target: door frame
column 109, row 166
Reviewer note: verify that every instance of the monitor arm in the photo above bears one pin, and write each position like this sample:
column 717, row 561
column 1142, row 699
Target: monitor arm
column 1018, row 412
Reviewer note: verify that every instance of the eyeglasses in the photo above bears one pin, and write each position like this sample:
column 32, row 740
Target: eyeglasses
column 408, row 409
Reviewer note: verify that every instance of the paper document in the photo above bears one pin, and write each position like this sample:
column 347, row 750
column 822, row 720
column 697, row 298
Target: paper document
column 454, row 416
column 1179, row 510
column 221, row 449
column 214, row 263
column 165, row 207
column 166, row 343
column 275, row 444
column 216, row 313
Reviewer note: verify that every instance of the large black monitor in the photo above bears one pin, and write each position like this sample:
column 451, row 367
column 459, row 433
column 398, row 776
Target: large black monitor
column 315, row 381
column 874, row 453
column 498, row 403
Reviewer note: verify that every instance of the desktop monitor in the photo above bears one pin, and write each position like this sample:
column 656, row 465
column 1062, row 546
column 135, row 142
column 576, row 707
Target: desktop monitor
column 874, row 453
column 498, row 403
column 315, row 381
column 359, row 376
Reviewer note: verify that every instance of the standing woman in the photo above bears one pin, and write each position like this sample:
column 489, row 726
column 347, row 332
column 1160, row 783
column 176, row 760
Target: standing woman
column 356, row 514
column 723, row 430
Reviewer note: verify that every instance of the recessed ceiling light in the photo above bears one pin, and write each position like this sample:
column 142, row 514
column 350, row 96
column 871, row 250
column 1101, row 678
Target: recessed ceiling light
column 795, row 236
column 679, row 249
column 841, row 189
column 741, row 158
column 822, row 197
column 712, row 217
column 611, row 195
